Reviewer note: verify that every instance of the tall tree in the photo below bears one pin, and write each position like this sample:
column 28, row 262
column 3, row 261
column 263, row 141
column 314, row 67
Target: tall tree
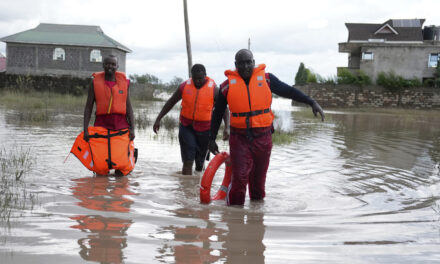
column 301, row 75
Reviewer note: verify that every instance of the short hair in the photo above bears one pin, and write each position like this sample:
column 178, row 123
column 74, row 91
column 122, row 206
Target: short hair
column 111, row 56
column 244, row 51
column 198, row 68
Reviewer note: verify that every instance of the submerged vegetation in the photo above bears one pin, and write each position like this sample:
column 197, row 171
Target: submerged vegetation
column 280, row 136
column 40, row 100
column 39, row 107
column 170, row 123
column 42, row 106
column 141, row 119
column 15, row 164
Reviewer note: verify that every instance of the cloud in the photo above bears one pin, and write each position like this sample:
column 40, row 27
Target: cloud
column 282, row 33
column 318, row 24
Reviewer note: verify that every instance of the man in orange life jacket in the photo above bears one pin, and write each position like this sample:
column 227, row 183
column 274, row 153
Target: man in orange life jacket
column 248, row 92
column 116, row 115
column 198, row 95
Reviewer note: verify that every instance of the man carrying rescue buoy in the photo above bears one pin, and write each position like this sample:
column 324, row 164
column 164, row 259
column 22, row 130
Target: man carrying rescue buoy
column 109, row 143
column 248, row 92
column 198, row 94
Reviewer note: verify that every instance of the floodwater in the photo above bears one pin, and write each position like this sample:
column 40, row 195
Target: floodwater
column 358, row 188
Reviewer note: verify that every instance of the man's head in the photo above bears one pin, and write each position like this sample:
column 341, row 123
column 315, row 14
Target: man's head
column 198, row 75
column 110, row 65
column 244, row 63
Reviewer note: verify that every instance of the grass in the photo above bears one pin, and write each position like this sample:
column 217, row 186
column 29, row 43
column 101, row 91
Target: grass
column 141, row 92
column 169, row 123
column 33, row 100
column 36, row 116
column 41, row 100
column 41, row 107
column 280, row 137
column 15, row 164
column 141, row 119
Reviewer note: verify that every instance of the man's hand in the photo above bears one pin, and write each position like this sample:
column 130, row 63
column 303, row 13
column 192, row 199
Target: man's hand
column 225, row 134
column 156, row 126
column 212, row 146
column 131, row 133
column 86, row 135
column 316, row 108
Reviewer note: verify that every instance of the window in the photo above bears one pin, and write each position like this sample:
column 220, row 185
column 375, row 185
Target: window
column 59, row 54
column 367, row 55
column 95, row 56
column 433, row 60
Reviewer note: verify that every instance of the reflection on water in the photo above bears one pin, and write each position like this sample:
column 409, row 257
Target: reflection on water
column 388, row 154
column 244, row 239
column 103, row 193
column 192, row 244
column 106, row 236
column 106, row 239
column 358, row 188
column 237, row 239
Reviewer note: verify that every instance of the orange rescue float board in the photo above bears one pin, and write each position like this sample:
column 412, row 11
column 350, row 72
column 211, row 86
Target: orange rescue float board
column 105, row 150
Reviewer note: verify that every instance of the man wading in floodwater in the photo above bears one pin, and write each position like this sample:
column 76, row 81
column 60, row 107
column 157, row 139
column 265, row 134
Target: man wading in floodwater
column 198, row 95
column 248, row 92
column 110, row 91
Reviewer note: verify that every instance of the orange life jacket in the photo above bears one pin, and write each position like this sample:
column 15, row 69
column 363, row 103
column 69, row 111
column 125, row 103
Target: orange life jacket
column 249, row 107
column 110, row 101
column 105, row 150
column 197, row 104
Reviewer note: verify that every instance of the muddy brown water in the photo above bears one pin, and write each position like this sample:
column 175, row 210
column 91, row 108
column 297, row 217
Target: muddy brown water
column 358, row 188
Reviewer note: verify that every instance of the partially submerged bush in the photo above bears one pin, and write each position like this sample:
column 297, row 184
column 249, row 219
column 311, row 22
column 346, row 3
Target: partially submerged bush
column 142, row 120
column 15, row 164
column 170, row 123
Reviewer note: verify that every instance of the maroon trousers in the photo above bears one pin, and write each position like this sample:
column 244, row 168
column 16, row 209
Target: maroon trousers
column 249, row 163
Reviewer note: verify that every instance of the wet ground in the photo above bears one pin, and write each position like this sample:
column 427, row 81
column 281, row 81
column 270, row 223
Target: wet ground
column 359, row 188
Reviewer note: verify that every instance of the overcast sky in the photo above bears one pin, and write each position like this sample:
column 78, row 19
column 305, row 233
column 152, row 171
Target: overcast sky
column 282, row 33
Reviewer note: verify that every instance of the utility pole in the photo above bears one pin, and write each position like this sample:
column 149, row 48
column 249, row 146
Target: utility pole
column 249, row 44
column 188, row 40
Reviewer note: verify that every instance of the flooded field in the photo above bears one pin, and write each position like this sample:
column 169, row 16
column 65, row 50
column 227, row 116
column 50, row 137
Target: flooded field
column 359, row 188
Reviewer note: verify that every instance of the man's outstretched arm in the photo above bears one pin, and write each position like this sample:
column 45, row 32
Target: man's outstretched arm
column 284, row 90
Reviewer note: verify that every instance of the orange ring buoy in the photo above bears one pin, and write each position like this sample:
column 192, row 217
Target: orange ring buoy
column 208, row 176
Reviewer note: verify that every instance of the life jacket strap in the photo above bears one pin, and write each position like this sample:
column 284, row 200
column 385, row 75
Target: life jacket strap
column 109, row 135
column 251, row 113
column 119, row 133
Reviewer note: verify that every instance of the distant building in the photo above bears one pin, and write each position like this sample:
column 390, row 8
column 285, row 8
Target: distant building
column 2, row 63
column 398, row 45
column 60, row 50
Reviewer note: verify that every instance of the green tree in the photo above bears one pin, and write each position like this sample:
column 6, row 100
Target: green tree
column 144, row 79
column 173, row 84
column 301, row 75
column 311, row 77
